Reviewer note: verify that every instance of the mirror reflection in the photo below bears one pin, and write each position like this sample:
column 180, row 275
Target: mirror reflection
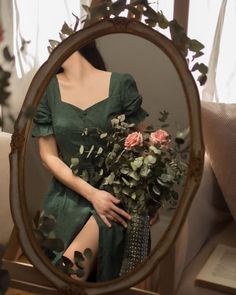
column 103, row 171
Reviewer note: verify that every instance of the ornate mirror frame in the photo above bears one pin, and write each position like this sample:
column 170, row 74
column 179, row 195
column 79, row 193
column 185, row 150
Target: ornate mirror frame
column 22, row 127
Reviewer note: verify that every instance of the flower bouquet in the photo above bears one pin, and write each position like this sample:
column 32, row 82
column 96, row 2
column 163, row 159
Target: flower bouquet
column 143, row 170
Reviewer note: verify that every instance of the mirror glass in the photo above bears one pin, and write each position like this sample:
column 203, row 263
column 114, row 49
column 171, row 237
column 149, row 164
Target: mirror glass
column 160, row 87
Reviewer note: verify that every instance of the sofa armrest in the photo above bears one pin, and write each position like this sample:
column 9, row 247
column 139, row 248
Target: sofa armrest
column 207, row 214
column 5, row 213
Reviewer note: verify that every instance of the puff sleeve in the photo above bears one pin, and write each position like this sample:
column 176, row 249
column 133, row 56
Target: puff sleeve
column 43, row 118
column 132, row 101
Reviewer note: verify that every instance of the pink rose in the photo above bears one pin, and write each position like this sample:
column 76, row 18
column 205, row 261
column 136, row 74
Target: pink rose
column 160, row 137
column 133, row 139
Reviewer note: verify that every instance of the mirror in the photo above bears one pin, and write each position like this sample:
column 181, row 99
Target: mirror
column 165, row 84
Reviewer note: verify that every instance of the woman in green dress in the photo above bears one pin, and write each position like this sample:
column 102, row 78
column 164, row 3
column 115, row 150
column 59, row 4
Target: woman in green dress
column 83, row 96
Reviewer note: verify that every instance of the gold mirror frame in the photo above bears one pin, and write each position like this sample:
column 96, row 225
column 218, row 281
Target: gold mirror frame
column 22, row 127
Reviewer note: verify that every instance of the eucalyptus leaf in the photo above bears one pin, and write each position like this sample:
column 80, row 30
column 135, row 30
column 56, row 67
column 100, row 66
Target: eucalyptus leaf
column 125, row 170
column 144, row 171
column 103, row 135
column 133, row 196
column 134, row 175
column 99, row 151
column 90, row 151
column 74, row 162
column 85, row 175
column 81, row 149
column 125, row 181
column 111, row 178
column 155, row 150
column 156, row 190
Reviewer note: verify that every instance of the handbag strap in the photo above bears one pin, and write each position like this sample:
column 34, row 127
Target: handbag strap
column 209, row 91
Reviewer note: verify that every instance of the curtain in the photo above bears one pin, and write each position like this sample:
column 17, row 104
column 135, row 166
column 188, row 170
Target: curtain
column 212, row 22
column 35, row 21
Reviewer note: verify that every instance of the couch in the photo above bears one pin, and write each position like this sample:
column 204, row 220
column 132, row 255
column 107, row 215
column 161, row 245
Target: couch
column 5, row 215
column 211, row 219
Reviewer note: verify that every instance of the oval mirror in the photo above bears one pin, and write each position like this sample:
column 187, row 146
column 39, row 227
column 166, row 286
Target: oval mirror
column 132, row 53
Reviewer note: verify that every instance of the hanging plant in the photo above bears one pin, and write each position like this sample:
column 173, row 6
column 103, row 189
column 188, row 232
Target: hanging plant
column 5, row 75
column 139, row 8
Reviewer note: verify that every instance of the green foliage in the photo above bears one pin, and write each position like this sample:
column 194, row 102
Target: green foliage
column 43, row 227
column 141, row 177
column 107, row 9
column 67, row 266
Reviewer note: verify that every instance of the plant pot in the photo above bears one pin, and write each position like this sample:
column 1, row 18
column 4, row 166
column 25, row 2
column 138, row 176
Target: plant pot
column 137, row 242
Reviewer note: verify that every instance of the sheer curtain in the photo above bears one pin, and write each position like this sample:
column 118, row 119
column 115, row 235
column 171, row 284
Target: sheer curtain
column 35, row 21
column 213, row 23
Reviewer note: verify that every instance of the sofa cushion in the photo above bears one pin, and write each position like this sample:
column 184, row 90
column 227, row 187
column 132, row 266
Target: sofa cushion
column 219, row 130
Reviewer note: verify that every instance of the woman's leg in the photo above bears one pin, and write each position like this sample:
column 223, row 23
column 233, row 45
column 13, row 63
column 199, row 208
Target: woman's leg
column 87, row 238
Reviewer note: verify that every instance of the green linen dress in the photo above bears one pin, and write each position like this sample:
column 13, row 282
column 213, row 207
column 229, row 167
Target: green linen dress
column 66, row 122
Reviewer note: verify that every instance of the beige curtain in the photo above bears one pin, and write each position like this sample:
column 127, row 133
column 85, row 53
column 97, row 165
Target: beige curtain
column 35, row 21
column 209, row 92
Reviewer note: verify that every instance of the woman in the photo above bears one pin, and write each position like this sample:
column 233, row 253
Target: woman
column 83, row 96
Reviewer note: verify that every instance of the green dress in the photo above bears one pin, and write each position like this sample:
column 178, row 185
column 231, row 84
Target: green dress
column 66, row 122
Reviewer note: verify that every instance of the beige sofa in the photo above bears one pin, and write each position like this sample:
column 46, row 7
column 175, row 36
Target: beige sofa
column 5, row 215
column 212, row 216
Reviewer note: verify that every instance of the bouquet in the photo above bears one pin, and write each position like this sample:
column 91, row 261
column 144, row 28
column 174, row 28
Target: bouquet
column 142, row 169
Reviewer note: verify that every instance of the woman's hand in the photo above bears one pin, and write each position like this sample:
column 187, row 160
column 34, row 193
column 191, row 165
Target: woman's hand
column 155, row 218
column 106, row 206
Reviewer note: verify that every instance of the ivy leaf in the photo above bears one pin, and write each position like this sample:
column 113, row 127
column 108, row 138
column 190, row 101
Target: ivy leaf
column 88, row 253
column 134, row 11
column 197, row 54
column 195, row 45
column 66, row 29
column 202, row 79
column 117, row 7
column 79, row 258
column 162, row 20
column 7, row 55
column 53, row 43
column 203, row 69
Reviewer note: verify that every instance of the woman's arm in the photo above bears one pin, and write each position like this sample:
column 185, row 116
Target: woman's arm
column 103, row 202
